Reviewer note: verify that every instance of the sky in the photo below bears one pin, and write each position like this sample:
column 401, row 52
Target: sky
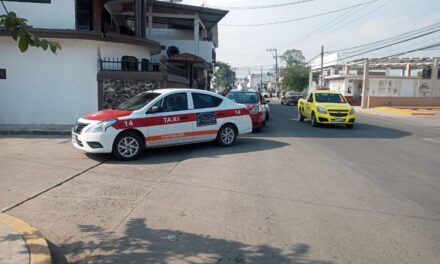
column 244, row 47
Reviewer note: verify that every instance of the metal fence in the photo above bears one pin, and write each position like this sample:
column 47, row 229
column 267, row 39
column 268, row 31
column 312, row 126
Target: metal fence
column 133, row 64
column 127, row 64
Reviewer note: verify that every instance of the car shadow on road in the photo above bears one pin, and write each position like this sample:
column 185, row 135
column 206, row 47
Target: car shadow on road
column 293, row 128
column 285, row 124
column 140, row 244
column 206, row 150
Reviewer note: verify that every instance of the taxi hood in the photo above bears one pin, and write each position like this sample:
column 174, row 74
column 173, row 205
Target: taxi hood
column 343, row 106
column 106, row 114
column 249, row 106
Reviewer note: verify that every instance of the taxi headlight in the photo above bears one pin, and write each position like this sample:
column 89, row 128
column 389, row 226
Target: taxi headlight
column 322, row 110
column 254, row 110
column 352, row 111
column 101, row 126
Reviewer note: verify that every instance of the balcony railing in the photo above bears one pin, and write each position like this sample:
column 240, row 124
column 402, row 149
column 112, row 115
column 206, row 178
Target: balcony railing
column 132, row 64
column 127, row 63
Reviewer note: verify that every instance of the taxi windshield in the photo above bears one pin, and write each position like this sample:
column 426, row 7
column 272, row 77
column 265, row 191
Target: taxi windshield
column 329, row 98
column 243, row 97
column 137, row 102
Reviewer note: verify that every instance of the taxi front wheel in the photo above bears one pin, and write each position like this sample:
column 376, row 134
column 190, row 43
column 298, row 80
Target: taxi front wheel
column 226, row 135
column 128, row 146
column 300, row 115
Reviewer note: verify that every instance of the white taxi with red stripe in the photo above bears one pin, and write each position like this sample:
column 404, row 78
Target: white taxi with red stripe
column 160, row 118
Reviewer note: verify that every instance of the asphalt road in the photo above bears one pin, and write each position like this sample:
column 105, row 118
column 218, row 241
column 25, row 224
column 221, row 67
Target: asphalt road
column 291, row 194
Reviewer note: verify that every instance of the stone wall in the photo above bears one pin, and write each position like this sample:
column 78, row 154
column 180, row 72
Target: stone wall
column 117, row 91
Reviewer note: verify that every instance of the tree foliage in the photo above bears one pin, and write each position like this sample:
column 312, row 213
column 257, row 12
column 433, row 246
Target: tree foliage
column 20, row 32
column 296, row 73
column 296, row 78
column 224, row 76
column 293, row 57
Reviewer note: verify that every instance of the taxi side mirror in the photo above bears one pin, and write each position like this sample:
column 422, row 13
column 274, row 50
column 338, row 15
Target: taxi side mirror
column 154, row 109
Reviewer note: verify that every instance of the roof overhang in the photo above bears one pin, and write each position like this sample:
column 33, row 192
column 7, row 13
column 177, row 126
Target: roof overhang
column 152, row 45
column 177, row 15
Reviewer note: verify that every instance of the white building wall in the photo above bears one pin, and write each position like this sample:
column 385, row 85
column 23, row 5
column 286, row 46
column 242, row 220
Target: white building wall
column 44, row 88
column 173, row 34
column 59, row 14
column 339, row 85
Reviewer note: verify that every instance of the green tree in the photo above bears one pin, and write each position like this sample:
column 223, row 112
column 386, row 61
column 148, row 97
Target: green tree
column 293, row 57
column 224, row 76
column 20, row 31
column 296, row 77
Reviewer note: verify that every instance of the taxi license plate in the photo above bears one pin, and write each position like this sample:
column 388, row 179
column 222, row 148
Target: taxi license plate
column 339, row 120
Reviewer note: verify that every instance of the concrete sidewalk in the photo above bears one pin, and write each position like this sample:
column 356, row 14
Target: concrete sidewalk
column 21, row 243
column 58, row 130
column 13, row 248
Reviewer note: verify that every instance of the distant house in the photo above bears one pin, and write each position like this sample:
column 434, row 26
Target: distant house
column 391, row 81
column 109, row 53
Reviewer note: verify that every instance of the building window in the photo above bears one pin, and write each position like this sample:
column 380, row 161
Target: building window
column 2, row 74
column 84, row 15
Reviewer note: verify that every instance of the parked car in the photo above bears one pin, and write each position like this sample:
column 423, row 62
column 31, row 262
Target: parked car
column 265, row 103
column 265, row 95
column 290, row 98
column 326, row 107
column 252, row 100
column 160, row 118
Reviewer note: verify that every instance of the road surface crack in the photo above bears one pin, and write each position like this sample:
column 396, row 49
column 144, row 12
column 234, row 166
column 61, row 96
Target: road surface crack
column 4, row 210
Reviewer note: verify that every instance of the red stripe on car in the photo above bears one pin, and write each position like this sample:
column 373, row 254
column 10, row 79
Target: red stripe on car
column 174, row 119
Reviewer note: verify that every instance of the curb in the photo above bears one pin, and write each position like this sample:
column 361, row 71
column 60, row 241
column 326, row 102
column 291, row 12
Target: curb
column 35, row 132
column 38, row 249
column 403, row 112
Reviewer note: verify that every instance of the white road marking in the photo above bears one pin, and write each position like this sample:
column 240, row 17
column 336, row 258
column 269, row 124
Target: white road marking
column 435, row 140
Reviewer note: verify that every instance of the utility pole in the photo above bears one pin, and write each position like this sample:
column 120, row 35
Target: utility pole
column 276, row 67
column 321, row 80
column 261, row 80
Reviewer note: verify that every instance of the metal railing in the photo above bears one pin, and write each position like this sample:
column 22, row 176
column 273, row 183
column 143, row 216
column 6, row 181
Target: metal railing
column 127, row 64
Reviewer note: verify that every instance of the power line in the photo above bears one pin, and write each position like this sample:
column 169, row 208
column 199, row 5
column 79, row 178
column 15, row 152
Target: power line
column 409, row 46
column 4, row 7
column 262, row 6
column 325, row 26
column 349, row 22
column 385, row 46
column 382, row 41
column 414, row 50
column 298, row 19
column 392, row 44
column 252, row 67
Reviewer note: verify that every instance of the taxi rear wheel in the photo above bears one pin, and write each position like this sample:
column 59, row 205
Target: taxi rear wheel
column 128, row 146
column 226, row 135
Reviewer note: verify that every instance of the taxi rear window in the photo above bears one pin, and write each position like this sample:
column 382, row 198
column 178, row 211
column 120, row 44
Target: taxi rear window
column 137, row 102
